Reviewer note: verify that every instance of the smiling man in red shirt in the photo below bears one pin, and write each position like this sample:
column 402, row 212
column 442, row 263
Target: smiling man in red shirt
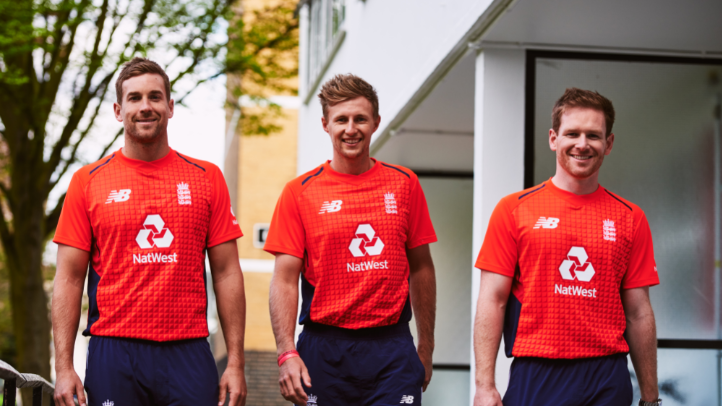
column 357, row 231
column 139, row 223
column 566, row 268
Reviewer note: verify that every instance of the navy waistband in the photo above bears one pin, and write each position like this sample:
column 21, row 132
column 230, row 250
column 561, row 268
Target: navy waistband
column 371, row 333
column 566, row 361
column 150, row 342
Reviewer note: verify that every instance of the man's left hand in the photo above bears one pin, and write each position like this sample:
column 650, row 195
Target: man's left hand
column 426, row 360
column 233, row 382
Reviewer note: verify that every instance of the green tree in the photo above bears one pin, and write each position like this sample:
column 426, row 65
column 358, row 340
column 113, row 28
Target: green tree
column 57, row 62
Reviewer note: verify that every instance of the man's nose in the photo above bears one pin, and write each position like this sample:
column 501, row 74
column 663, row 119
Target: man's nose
column 350, row 127
column 583, row 142
column 145, row 104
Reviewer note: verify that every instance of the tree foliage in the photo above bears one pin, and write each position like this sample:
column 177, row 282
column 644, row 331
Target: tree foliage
column 58, row 59
column 263, row 57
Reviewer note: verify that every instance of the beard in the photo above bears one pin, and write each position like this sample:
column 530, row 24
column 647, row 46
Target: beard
column 578, row 171
column 147, row 136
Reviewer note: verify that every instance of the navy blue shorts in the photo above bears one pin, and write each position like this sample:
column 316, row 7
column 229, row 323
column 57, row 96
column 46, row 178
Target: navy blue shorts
column 139, row 372
column 371, row 367
column 561, row 382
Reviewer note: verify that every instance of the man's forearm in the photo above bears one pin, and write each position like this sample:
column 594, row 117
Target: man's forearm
column 231, row 302
column 284, row 306
column 422, row 286
column 642, row 340
column 66, row 303
column 488, row 326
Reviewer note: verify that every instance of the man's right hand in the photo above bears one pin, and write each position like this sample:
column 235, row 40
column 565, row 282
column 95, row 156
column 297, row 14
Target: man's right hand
column 487, row 397
column 68, row 384
column 289, row 378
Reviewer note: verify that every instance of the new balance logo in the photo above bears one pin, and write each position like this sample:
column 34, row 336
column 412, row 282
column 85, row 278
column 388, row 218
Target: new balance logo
column 118, row 196
column 407, row 399
column 577, row 262
column 610, row 233
column 312, row 400
column 330, row 207
column 546, row 222
column 108, row 403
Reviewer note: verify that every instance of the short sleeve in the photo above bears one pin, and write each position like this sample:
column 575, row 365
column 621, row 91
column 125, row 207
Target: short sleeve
column 421, row 231
column 642, row 269
column 74, row 224
column 498, row 253
column 224, row 226
column 286, row 234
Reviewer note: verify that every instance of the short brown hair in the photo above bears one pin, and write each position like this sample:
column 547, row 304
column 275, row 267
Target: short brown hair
column 574, row 97
column 347, row 87
column 136, row 67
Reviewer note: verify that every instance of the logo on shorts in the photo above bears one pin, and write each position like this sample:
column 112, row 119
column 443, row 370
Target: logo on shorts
column 154, row 233
column 330, row 207
column 108, row 403
column 118, row 196
column 546, row 222
column 312, row 400
column 577, row 262
column 366, row 242
column 407, row 399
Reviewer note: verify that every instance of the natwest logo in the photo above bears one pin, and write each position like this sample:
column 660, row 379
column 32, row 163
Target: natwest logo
column 577, row 262
column 366, row 242
column 154, row 233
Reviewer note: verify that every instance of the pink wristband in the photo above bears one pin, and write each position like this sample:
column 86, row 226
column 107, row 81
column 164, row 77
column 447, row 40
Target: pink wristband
column 286, row 356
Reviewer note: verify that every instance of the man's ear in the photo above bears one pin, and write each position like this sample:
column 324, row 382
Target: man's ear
column 171, row 105
column 117, row 112
column 324, row 123
column 610, row 143
column 553, row 139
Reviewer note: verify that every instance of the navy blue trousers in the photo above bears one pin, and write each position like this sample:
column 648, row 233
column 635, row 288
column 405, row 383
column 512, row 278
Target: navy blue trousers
column 138, row 372
column 603, row 381
column 373, row 367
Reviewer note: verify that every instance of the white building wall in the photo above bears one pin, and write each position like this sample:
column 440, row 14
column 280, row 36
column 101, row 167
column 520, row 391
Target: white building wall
column 498, row 157
column 395, row 46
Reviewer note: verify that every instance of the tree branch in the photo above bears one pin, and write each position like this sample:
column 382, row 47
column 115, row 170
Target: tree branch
column 51, row 221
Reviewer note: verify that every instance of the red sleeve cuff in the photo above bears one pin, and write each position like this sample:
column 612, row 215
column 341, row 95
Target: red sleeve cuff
column 75, row 244
column 485, row 266
column 228, row 237
column 421, row 241
column 277, row 249
column 642, row 283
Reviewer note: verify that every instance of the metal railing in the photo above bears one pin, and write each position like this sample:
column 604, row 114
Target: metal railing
column 14, row 379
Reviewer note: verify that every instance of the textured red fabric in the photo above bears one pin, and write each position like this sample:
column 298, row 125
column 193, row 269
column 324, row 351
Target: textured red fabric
column 370, row 288
column 530, row 238
column 124, row 212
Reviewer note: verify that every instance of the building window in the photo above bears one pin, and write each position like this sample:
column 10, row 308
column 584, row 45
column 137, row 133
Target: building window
column 326, row 33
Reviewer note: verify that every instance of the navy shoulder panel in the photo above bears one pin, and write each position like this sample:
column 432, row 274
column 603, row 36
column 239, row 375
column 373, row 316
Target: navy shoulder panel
column 103, row 164
column 192, row 163
column 535, row 190
column 395, row 168
column 311, row 176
